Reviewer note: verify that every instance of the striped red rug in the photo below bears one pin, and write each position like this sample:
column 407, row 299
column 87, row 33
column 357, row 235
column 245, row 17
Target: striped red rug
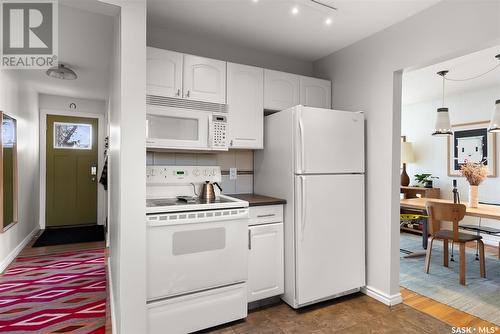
column 60, row 293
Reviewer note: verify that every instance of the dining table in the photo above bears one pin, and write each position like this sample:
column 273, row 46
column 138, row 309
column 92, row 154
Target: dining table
column 483, row 210
column 488, row 211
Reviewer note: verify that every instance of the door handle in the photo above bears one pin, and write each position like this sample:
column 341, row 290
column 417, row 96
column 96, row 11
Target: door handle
column 303, row 207
column 93, row 169
column 301, row 133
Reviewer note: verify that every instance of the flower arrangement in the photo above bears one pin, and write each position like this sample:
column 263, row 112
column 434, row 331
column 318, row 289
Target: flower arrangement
column 474, row 172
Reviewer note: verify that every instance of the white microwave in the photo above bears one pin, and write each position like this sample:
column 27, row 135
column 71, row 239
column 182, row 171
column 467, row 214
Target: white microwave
column 189, row 125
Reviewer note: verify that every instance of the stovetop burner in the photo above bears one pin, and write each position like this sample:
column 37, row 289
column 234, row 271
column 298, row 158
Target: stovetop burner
column 157, row 202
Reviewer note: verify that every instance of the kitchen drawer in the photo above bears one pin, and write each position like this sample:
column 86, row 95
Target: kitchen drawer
column 197, row 311
column 265, row 214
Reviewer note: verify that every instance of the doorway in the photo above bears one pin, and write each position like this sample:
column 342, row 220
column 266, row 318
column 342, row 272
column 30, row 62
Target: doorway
column 71, row 171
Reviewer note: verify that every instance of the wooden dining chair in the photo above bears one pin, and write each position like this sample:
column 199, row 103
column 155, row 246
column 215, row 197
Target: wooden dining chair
column 440, row 212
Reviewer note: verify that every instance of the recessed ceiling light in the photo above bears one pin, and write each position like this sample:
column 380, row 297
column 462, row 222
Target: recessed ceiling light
column 255, row 0
column 295, row 10
column 328, row 21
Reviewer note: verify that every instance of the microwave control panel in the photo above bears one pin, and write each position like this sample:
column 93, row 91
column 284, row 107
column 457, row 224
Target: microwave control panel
column 219, row 132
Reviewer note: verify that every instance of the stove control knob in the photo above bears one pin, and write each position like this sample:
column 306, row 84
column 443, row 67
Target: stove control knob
column 205, row 172
column 212, row 172
column 196, row 172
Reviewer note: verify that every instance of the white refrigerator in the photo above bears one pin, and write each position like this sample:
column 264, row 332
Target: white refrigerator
column 314, row 158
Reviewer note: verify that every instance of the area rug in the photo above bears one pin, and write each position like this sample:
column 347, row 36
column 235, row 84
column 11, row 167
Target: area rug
column 70, row 235
column 60, row 293
column 480, row 297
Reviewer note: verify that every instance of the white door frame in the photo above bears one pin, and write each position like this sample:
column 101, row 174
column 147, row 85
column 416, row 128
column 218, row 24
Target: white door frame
column 101, row 193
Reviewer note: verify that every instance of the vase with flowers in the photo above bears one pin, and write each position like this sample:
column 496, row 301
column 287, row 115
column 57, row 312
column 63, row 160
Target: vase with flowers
column 475, row 173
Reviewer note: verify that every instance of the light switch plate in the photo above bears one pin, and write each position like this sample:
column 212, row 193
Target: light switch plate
column 233, row 173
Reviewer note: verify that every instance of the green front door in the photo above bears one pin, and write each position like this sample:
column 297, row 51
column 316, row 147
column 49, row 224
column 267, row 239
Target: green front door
column 71, row 179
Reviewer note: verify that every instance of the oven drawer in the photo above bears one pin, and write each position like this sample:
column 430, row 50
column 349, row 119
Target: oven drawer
column 266, row 214
column 191, row 257
column 189, row 313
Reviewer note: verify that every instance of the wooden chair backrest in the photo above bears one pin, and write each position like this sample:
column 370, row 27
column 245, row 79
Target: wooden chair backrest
column 449, row 212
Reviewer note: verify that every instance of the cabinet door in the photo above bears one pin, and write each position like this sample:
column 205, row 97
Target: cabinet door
column 245, row 98
column 281, row 90
column 204, row 79
column 164, row 72
column 315, row 92
column 265, row 261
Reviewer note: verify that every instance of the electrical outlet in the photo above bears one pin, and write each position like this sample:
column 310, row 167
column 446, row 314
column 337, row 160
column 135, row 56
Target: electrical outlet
column 233, row 173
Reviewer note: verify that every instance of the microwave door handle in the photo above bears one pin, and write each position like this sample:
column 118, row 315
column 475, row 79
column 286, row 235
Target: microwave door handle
column 147, row 128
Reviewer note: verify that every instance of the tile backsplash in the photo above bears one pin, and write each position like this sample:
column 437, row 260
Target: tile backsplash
column 241, row 160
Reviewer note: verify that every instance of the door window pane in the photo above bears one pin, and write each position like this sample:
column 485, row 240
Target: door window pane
column 73, row 136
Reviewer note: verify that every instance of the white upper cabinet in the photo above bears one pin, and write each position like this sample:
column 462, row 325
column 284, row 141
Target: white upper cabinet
column 281, row 90
column 315, row 92
column 164, row 72
column 245, row 98
column 204, row 79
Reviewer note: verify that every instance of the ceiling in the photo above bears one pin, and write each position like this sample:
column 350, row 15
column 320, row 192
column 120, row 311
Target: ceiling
column 85, row 45
column 425, row 85
column 270, row 26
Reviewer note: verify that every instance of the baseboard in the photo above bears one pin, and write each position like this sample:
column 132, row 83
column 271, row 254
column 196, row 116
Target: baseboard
column 382, row 297
column 15, row 252
column 114, row 329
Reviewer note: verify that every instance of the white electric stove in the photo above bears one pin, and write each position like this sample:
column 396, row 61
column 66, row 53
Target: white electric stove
column 196, row 251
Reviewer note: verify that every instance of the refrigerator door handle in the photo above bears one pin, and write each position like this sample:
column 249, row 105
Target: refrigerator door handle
column 303, row 207
column 301, row 134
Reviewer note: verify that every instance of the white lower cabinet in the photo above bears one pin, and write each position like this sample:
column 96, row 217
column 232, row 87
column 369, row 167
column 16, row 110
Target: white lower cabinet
column 265, row 261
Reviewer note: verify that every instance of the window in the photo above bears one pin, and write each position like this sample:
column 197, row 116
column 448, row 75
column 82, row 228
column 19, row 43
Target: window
column 72, row 136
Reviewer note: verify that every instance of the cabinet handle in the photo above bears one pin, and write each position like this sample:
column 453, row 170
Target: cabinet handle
column 187, row 94
column 249, row 239
column 231, row 143
column 268, row 215
column 178, row 93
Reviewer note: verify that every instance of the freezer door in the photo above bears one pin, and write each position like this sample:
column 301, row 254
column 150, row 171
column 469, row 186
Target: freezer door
column 328, row 141
column 330, row 235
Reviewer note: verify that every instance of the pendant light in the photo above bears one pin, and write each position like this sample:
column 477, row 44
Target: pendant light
column 443, row 126
column 495, row 118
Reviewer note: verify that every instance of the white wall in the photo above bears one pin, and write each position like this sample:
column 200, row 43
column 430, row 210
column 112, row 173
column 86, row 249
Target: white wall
column 202, row 46
column 21, row 102
column 364, row 78
column 417, row 123
column 127, row 170
column 57, row 102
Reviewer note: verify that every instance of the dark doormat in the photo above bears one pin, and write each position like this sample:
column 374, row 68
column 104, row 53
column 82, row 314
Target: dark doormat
column 70, row 235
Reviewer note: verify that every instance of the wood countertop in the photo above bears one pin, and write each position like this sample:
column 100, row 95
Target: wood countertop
column 483, row 210
column 258, row 200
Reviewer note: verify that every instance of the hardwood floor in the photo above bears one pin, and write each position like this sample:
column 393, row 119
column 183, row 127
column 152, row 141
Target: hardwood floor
column 39, row 251
column 443, row 312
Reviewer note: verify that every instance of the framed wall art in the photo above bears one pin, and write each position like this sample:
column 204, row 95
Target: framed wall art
column 471, row 142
